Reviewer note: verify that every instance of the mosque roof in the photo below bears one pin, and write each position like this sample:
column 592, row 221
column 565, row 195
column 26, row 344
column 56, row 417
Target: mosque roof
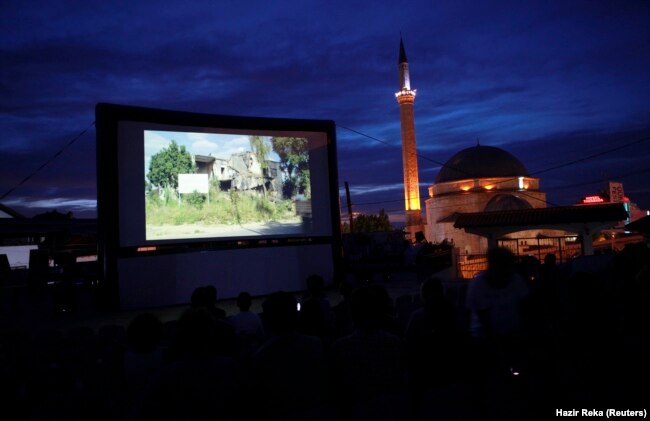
column 481, row 162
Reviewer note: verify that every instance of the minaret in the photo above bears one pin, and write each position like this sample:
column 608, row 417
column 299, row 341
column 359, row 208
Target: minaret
column 405, row 98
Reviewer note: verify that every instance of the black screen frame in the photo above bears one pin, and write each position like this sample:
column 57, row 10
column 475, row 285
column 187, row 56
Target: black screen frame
column 110, row 249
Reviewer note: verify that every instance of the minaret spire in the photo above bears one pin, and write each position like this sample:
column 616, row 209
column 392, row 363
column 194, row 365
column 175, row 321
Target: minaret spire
column 402, row 51
column 405, row 98
column 403, row 65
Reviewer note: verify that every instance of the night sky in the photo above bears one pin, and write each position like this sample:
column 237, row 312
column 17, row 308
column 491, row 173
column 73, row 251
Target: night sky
column 564, row 86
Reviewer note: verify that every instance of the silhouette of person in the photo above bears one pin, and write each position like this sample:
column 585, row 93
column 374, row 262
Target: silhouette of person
column 201, row 383
column 144, row 356
column 414, row 250
column 315, row 315
column 206, row 298
column 288, row 370
column 369, row 363
column 496, row 299
column 341, row 311
column 430, row 338
column 247, row 326
column 496, row 296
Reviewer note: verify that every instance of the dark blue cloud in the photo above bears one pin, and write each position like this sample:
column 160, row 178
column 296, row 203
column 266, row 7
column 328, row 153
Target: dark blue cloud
column 550, row 82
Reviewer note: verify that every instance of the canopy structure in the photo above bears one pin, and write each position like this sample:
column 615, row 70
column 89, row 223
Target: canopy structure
column 583, row 220
column 642, row 226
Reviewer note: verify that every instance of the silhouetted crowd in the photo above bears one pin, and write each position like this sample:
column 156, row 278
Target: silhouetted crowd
column 521, row 340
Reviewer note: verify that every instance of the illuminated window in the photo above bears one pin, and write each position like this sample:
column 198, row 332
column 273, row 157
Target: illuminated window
column 521, row 183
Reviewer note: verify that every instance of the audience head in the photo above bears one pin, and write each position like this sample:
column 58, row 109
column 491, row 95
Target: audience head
column 281, row 312
column 244, row 301
column 211, row 295
column 315, row 285
column 196, row 333
column 501, row 266
column 550, row 259
column 204, row 297
column 144, row 333
column 585, row 290
column 432, row 291
column 370, row 306
column 198, row 297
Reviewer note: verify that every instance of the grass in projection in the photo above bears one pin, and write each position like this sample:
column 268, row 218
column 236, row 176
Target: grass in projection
column 201, row 185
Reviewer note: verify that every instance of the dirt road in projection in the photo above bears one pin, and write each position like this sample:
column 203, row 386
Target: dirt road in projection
column 169, row 232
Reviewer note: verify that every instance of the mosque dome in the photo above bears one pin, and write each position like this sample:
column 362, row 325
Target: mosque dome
column 481, row 162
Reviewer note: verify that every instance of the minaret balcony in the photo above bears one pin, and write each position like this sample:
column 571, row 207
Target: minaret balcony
column 405, row 92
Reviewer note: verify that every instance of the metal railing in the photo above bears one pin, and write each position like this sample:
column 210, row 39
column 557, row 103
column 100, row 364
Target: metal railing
column 564, row 248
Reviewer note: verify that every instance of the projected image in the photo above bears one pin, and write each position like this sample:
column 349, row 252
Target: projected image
column 203, row 185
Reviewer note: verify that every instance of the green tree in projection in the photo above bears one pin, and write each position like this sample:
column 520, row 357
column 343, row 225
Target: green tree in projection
column 168, row 163
column 294, row 162
column 261, row 149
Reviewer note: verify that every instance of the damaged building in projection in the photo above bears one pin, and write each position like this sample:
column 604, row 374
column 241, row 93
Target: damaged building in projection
column 242, row 171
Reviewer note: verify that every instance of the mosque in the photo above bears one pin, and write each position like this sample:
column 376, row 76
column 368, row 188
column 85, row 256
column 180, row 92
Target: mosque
column 480, row 179
column 481, row 183
column 476, row 179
